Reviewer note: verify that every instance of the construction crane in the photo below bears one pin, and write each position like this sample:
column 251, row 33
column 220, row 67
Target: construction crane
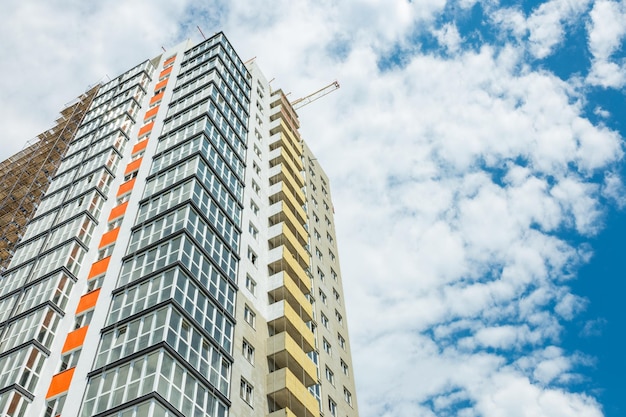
column 301, row 102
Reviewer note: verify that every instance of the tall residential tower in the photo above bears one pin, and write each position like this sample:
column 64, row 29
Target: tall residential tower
column 183, row 259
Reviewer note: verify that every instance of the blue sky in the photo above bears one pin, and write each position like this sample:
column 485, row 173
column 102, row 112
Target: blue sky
column 475, row 151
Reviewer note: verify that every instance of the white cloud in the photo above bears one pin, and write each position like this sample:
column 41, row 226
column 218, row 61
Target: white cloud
column 606, row 33
column 593, row 327
column 570, row 305
column 614, row 189
column 448, row 36
column 546, row 24
column 601, row 112
column 544, row 28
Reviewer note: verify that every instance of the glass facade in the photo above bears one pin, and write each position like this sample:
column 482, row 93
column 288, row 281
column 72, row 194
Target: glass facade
column 170, row 325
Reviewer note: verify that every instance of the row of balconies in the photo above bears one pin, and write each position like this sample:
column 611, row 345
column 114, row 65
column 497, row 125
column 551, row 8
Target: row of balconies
column 289, row 283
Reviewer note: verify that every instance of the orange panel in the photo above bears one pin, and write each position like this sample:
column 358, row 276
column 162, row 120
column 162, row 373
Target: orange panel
column 145, row 130
column 87, row 301
column 140, row 146
column 60, row 383
column 169, row 60
column 165, row 72
column 109, row 237
column 156, row 98
column 151, row 113
column 133, row 166
column 118, row 211
column 98, row 268
column 75, row 339
column 126, row 187
column 160, row 85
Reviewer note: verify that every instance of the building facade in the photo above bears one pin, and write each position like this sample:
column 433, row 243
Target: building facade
column 183, row 259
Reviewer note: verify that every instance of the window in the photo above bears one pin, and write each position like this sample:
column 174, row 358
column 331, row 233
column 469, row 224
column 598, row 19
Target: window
column 103, row 253
column 257, row 151
column 338, row 317
column 326, row 205
column 324, row 321
column 332, row 407
column 314, row 202
column 83, row 319
column 115, row 223
column 336, row 294
column 247, row 351
column 347, row 396
column 320, row 274
column 318, row 253
column 327, row 221
column 342, row 341
column 252, row 256
column 54, row 407
column 317, row 234
column 69, row 360
column 322, row 296
column 317, row 219
column 119, row 336
column 249, row 316
column 313, row 328
column 327, row 348
column 130, row 176
column 95, row 283
column 344, row 367
column 246, row 391
column 330, row 376
column 331, row 254
column 256, row 187
column 333, row 274
column 316, row 391
column 253, row 230
column 250, row 284
column 330, row 238
column 254, row 207
column 256, row 168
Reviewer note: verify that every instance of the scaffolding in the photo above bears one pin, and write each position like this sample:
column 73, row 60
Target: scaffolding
column 27, row 174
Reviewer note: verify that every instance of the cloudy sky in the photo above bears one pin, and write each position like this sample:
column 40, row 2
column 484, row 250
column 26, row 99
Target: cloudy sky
column 475, row 150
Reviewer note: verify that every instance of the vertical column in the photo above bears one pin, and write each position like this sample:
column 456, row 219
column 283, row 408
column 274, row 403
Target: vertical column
column 292, row 371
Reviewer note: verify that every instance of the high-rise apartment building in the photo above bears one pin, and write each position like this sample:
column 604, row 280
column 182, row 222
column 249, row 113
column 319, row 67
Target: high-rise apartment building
column 183, row 260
